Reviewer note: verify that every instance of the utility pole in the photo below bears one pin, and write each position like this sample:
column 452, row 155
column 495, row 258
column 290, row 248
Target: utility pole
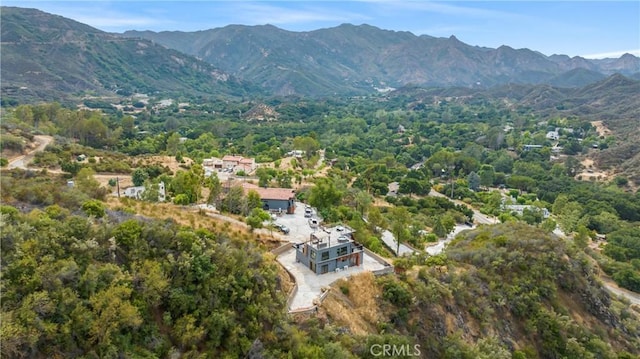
column 451, row 168
column 118, row 186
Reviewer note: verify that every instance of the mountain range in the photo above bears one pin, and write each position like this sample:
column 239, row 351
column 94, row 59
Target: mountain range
column 49, row 57
column 349, row 58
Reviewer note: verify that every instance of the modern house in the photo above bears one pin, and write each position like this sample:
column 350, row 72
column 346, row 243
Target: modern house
column 330, row 250
column 277, row 199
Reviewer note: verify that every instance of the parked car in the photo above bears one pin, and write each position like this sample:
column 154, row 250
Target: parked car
column 308, row 212
column 284, row 229
column 313, row 223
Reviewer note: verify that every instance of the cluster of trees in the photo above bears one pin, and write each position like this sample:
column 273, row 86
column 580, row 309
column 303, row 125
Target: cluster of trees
column 73, row 286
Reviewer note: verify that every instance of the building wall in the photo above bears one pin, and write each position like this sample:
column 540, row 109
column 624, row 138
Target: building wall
column 335, row 258
column 287, row 206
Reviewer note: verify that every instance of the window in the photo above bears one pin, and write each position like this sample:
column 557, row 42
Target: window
column 342, row 251
column 325, row 255
column 313, row 254
column 325, row 268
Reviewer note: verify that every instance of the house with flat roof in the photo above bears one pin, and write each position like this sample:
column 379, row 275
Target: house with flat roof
column 330, row 250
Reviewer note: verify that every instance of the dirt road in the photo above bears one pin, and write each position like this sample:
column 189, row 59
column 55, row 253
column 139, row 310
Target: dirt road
column 24, row 160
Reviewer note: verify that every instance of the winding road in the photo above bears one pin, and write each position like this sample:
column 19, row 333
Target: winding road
column 24, row 160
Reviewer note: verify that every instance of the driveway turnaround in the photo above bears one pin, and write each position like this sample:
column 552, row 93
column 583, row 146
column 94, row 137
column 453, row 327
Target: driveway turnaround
column 310, row 284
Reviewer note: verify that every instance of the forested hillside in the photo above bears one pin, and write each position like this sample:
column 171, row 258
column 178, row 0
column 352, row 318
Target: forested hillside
column 48, row 57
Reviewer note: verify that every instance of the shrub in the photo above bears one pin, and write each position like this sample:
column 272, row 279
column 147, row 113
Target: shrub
column 94, row 208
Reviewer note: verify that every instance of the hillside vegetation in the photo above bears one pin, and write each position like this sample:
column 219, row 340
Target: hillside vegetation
column 505, row 291
column 99, row 284
column 351, row 59
column 48, row 57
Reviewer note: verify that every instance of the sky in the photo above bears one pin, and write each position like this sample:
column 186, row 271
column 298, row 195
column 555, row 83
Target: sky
column 592, row 29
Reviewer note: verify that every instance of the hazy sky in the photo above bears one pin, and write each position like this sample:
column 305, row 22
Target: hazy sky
column 587, row 28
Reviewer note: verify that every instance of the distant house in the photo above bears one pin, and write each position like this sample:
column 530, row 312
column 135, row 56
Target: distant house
column 137, row 191
column 417, row 166
column 230, row 161
column 273, row 199
column 401, row 129
column 247, row 164
column 393, row 189
column 330, row 250
column 134, row 192
column 553, row 135
column 296, row 153
column 213, row 162
column 531, row 147
column 519, row 209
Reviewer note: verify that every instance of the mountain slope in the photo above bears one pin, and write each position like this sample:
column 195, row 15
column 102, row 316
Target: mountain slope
column 354, row 59
column 50, row 57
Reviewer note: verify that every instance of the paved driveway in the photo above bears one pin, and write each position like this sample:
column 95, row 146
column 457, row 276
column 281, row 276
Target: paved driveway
column 298, row 224
column 309, row 284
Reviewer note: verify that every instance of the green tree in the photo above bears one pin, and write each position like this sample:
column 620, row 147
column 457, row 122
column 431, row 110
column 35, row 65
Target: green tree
column 173, row 144
column 139, row 176
column 399, row 219
column 253, row 200
column 324, row 194
column 86, row 182
column 94, row 208
column 215, row 189
column 487, row 175
column 187, row 183
column 128, row 127
column 474, row 181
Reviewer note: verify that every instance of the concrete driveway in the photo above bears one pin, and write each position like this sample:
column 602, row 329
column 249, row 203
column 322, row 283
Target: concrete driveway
column 309, row 284
column 298, row 224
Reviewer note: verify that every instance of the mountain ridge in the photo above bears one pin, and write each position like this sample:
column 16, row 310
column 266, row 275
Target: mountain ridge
column 357, row 58
column 49, row 57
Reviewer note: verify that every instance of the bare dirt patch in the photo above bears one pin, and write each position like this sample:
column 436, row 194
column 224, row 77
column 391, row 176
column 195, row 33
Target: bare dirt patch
column 601, row 128
column 591, row 173
column 358, row 309
column 125, row 180
column 165, row 161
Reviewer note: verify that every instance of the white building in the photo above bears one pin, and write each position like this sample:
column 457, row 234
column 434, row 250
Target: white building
column 137, row 191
